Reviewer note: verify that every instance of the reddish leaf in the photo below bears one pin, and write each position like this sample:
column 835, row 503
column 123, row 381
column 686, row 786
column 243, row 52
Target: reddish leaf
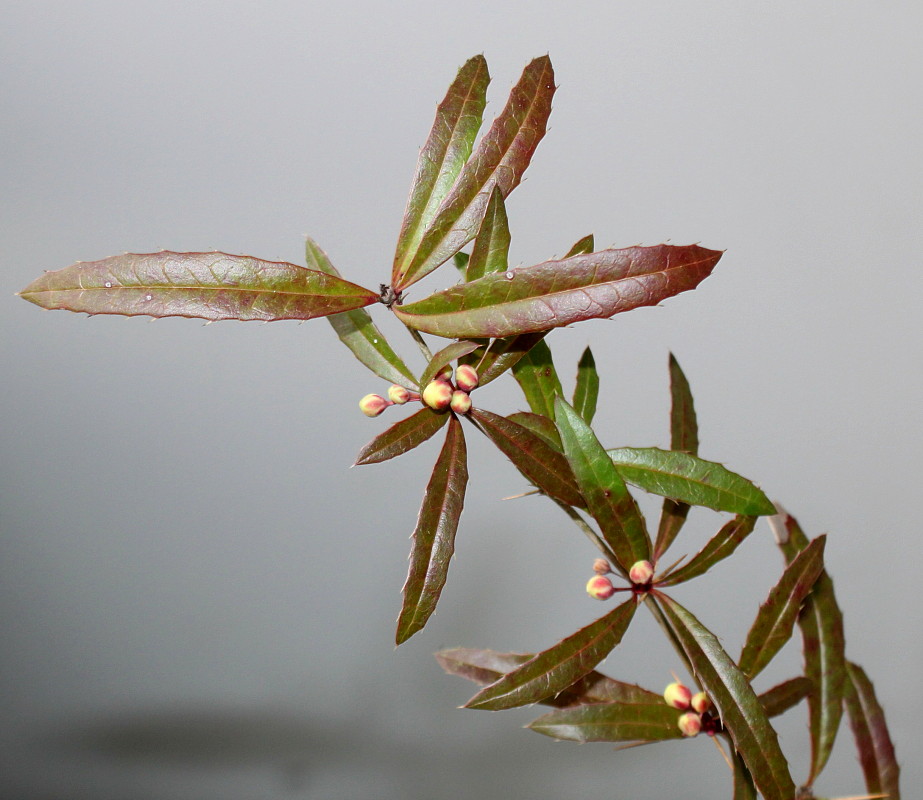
column 445, row 357
column 492, row 244
column 402, row 437
column 543, row 426
column 502, row 355
column 743, row 781
column 611, row 722
column 781, row 698
column 538, row 379
column 719, row 547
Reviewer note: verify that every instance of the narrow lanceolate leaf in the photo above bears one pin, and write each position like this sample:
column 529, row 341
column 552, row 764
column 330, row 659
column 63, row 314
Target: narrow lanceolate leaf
column 403, row 436
column 357, row 331
column 719, row 547
column 781, row 698
column 776, row 617
column 555, row 669
column 611, row 722
column 500, row 159
column 503, row 354
column 555, row 293
column 461, row 264
column 444, row 357
column 492, row 244
column 823, row 645
column 586, row 389
column 543, row 426
column 606, row 495
column 544, row 466
column 584, row 245
column 867, row 720
column 538, row 379
column 208, row 286
column 434, row 536
column 689, row 479
column 740, row 710
column 449, row 145
column 743, row 781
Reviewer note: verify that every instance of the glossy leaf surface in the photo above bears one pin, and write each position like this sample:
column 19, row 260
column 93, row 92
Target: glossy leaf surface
column 689, row 479
column 503, row 354
column 555, row 293
column 210, row 286
column 585, row 245
column 357, row 331
column 492, row 244
column 403, row 436
column 543, row 426
column 445, row 357
column 434, row 535
column 555, row 669
column 719, row 547
column 781, row 698
column 586, row 388
column 607, row 497
column 743, row 781
column 538, row 379
column 500, row 159
column 738, row 706
column 611, row 722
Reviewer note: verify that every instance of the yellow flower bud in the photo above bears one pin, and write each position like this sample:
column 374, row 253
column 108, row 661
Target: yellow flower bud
column 690, row 723
column 600, row 587
column 373, row 404
column 460, row 403
column 437, row 395
column 700, row 702
column 677, row 696
column 466, row 377
column 641, row 572
column 398, row 394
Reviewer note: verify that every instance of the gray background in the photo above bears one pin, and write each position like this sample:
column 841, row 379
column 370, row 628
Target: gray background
column 198, row 596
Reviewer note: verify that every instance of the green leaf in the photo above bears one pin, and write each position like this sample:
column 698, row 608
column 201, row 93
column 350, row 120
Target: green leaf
column 823, row 645
column 737, row 705
column 461, row 264
column 611, row 722
column 743, row 781
column 781, row 698
column 556, row 293
column 689, row 479
column 607, row 497
column 543, row 426
column 586, row 389
column 584, row 245
column 458, row 119
column 719, row 547
column 531, row 455
column 492, row 244
column 538, row 379
column 434, row 535
column 502, row 355
column 867, row 720
column 357, row 331
column 444, row 357
column 208, row 286
column 402, row 437
column 500, row 159
column 776, row 618
column 557, row 668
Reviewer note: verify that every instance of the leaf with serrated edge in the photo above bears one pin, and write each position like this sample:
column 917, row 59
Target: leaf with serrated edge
column 611, row 722
column 867, row 720
column 719, row 547
column 357, row 331
column 823, row 646
column 531, row 455
column 735, row 701
column 500, row 159
column 402, row 437
column 492, row 244
column 607, row 497
column 434, row 535
column 781, row 698
column 444, row 357
column 555, row 293
column 584, row 245
column 555, row 669
column 458, row 119
column 689, row 479
column 538, row 379
column 210, row 286
column 543, row 426
column 586, row 388
column 776, row 618
column 502, row 355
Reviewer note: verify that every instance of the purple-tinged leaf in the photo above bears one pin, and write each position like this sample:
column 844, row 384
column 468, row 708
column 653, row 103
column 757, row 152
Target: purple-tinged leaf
column 581, row 246
column 543, row 426
column 403, row 436
column 458, row 119
column 499, row 159
column 210, row 286
column 611, row 722
column 586, row 389
column 544, row 466
column 823, row 646
column 502, row 355
column 867, row 720
column 689, row 479
column 776, row 617
column 737, row 705
column 607, row 497
column 357, row 331
column 743, row 781
column 719, row 547
column 434, row 535
column 538, row 379
column 492, row 244
column 556, row 293
column 781, row 698
column 557, row 668
column 444, row 357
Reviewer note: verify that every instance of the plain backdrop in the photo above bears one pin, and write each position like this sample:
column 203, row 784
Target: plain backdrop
column 198, row 595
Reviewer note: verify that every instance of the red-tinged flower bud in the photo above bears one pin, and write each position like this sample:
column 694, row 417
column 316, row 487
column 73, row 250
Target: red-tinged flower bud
column 466, row 377
column 690, row 723
column 700, row 702
column 373, row 404
column 398, row 394
column 437, row 395
column 444, row 374
column 601, row 566
column 677, row 696
column 600, row 587
column 461, row 403
column 641, row 572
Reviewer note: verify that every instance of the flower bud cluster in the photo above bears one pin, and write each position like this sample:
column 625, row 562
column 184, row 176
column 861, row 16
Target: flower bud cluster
column 439, row 394
column 696, row 707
